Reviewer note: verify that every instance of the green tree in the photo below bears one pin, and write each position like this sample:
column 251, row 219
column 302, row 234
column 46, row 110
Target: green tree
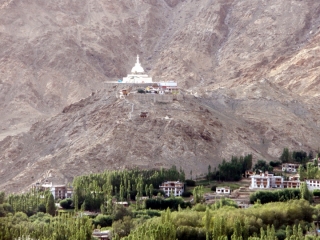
column 207, row 221
column 262, row 166
column 198, row 194
column 50, row 206
column 123, row 227
column 2, row 197
column 285, row 156
column 305, row 193
column 150, row 190
column 209, row 173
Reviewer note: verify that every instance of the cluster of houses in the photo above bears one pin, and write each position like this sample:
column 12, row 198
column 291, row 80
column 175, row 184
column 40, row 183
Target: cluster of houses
column 62, row 191
column 163, row 88
column 266, row 180
column 176, row 188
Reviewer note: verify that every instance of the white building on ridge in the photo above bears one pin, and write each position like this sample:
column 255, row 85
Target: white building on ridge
column 137, row 75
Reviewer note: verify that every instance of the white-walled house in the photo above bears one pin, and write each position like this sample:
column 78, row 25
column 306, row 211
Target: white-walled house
column 223, row 190
column 265, row 180
column 174, row 187
column 58, row 191
column 313, row 184
column 290, row 167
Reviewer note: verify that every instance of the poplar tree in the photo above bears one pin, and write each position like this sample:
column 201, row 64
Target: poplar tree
column 305, row 193
column 207, row 223
column 50, row 206
column 151, row 190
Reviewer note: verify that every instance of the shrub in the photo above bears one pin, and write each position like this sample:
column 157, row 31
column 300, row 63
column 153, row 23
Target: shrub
column 103, row 220
column 41, row 208
column 214, row 188
column 66, row 203
column 187, row 232
column 275, row 196
column 186, row 194
column 156, row 192
column 149, row 213
column 163, row 204
column 316, row 193
column 281, row 234
column 199, row 207
column 190, row 183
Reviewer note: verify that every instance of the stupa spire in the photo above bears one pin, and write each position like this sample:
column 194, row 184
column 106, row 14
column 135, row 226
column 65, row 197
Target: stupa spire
column 137, row 67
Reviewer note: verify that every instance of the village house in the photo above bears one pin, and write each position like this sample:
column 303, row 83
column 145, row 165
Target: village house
column 313, row 184
column 172, row 187
column 58, row 191
column 293, row 182
column 266, row 180
column 223, row 190
column 290, row 167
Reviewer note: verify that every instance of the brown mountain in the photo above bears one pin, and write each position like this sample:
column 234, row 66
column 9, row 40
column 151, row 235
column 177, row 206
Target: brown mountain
column 254, row 66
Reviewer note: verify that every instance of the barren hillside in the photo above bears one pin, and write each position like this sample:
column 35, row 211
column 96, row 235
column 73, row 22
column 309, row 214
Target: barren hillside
column 253, row 64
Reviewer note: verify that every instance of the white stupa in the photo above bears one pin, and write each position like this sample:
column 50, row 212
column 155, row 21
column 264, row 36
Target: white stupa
column 137, row 75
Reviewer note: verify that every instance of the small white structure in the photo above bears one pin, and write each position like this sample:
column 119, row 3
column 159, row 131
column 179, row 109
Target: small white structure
column 172, row 187
column 290, row 167
column 223, row 190
column 125, row 204
column 265, row 180
column 168, row 84
column 102, row 235
column 137, row 75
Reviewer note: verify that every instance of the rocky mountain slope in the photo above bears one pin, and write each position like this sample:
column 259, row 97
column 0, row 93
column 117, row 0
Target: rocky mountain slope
column 253, row 64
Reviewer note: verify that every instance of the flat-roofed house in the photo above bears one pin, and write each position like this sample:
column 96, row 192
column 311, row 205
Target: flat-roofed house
column 265, row 180
column 313, row 184
column 290, row 167
column 223, row 190
column 174, row 187
column 58, row 191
